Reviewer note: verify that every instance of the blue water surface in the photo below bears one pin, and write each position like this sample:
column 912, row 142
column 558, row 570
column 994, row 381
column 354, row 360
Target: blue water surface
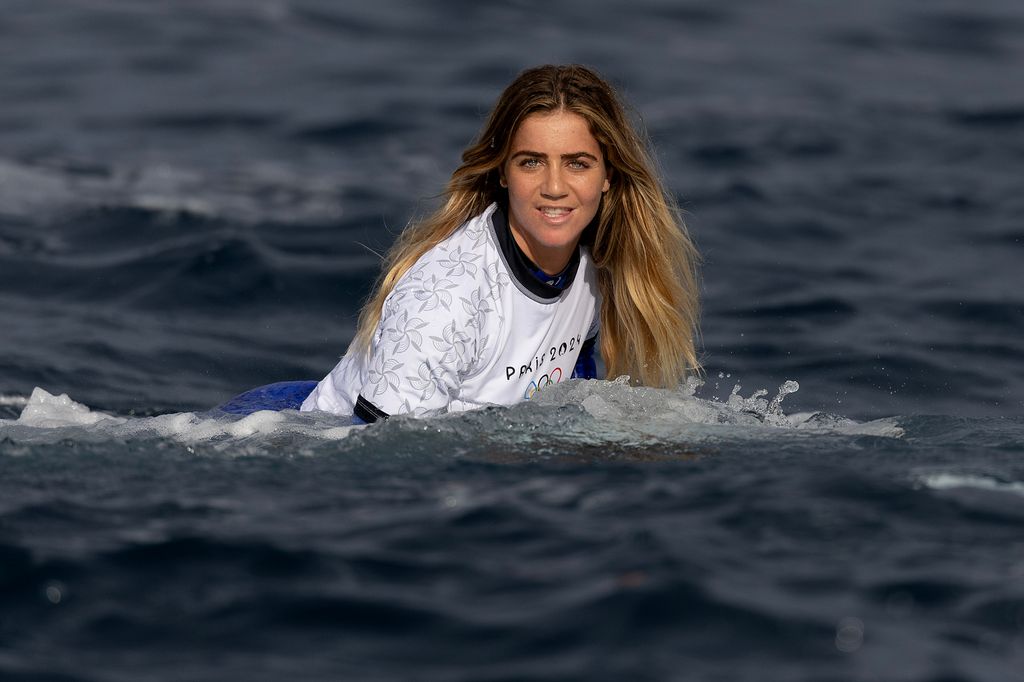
column 193, row 197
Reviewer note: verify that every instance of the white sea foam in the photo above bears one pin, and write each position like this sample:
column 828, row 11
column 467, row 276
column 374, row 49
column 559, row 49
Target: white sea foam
column 47, row 411
column 950, row 481
column 48, row 417
column 624, row 413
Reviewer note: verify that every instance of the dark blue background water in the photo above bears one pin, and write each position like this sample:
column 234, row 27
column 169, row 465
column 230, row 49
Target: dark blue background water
column 191, row 198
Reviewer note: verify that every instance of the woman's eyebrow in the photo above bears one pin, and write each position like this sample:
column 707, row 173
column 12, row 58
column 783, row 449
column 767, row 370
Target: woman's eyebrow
column 541, row 155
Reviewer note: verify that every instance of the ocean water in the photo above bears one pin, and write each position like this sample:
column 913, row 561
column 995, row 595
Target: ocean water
column 192, row 200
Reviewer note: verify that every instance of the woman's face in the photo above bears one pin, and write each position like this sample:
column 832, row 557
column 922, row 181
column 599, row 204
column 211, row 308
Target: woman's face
column 555, row 174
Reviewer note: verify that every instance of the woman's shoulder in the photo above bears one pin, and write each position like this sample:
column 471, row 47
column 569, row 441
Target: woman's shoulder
column 461, row 258
column 464, row 266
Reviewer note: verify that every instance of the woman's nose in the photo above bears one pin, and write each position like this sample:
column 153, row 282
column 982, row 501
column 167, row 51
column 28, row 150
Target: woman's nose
column 554, row 185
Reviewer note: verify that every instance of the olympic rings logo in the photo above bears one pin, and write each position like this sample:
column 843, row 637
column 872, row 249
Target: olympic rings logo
column 554, row 378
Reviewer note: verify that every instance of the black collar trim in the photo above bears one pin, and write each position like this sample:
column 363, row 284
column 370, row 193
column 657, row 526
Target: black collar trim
column 525, row 270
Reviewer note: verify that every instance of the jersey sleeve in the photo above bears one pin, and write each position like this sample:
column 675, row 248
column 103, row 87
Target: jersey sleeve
column 427, row 340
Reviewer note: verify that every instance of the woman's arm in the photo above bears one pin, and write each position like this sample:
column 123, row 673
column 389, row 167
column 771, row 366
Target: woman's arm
column 425, row 343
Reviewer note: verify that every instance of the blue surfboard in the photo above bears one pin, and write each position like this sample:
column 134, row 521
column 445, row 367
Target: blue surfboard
column 284, row 395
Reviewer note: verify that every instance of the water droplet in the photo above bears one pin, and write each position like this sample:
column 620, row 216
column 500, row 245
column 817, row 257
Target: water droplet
column 849, row 635
column 785, row 389
column 54, row 592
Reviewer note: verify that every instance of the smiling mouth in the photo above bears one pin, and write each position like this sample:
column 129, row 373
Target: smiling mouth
column 555, row 212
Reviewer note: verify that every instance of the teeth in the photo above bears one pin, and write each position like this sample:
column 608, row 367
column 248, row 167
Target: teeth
column 554, row 211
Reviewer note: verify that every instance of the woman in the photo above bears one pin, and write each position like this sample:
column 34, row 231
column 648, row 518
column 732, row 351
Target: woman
column 555, row 226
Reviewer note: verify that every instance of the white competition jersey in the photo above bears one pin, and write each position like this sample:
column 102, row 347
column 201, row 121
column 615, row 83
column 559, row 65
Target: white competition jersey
column 461, row 330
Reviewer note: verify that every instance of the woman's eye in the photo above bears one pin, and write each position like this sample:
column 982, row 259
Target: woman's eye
column 529, row 163
column 576, row 164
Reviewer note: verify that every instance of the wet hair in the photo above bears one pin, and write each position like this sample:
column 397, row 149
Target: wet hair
column 646, row 262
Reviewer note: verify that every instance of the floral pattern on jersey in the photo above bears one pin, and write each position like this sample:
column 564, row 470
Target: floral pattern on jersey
column 403, row 332
column 434, row 292
column 459, row 262
column 477, row 236
column 428, row 378
column 477, row 306
column 393, row 301
column 480, row 348
column 383, row 374
column 452, row 343
column 416, row 410
column 497, row 278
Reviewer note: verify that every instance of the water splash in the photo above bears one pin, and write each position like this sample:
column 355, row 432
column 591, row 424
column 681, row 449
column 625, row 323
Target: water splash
column 767, row 411
column 673, row 414
column 47, row 411
column 579, row 415
column 51, row 418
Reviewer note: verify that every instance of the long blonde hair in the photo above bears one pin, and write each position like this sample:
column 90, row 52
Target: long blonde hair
column 646, row 263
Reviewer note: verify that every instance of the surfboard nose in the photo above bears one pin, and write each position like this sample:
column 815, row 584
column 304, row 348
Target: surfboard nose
column 283, row 395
